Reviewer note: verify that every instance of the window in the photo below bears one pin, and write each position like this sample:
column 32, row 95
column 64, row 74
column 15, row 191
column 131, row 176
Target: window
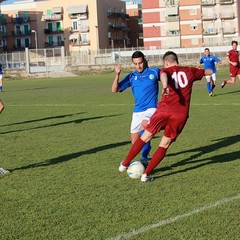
column 193, row 27
column 59, row 40
column 193, row 12
column 74, row 25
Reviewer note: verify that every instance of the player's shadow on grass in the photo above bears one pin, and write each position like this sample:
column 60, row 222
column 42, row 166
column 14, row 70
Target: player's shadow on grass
column 77, row 121
column 200, row 151
column 225, row 93
column 72, row 156
column 43, row 119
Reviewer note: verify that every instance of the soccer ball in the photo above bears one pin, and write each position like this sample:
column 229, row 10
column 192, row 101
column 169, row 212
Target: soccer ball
column 135, row 169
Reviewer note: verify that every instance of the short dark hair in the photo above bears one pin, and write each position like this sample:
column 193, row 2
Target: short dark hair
column 234, row 41
column 207, row 49
column 138, row 54
column 171, row 57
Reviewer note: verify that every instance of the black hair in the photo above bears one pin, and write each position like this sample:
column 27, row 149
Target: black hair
column 171, row 57
column 207, row 49
column 138, row 54
column 234, row 42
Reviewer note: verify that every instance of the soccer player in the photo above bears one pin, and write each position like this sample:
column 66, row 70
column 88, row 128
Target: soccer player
column 234, row 64
column 144, row 84
column 2, row 170
column 209, row 62
column 172, row 111
column 1, row 76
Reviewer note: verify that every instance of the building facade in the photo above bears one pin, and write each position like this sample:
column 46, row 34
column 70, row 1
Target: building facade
column 134, row 11
column 184, row 23
column 75, row 24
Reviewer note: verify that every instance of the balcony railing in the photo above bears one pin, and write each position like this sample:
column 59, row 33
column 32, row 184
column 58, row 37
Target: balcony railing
column 52, row 17
column 209, row 16
column 81, row 43
column 20, row 20
column 212, row 31
column 48, row 31
column 226, row 15
column 21, row 33
column 225, row 2
column 172, row 18
column 229, row 30
column 208, row 2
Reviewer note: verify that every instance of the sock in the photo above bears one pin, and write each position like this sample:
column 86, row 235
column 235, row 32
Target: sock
column 208, row 87
column 135, row 149
column 156, row 159
column 213, row 86
column 146, row 148
column 0, row 88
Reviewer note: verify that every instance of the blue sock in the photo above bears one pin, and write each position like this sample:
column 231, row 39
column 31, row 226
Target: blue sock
column 209, row 87
column 0, row 88
column 213, row 86
column 146, row 148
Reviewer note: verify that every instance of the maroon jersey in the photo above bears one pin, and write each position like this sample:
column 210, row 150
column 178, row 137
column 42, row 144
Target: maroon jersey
column 180, row 81
column 233, row 56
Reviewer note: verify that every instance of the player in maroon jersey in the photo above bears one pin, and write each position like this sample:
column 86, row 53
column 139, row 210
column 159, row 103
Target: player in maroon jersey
column 172, row 111
column 234, row 64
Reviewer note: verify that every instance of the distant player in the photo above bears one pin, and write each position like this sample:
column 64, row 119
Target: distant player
column 234, row 64
column 2, row 170
column 209, row 62
column 144, row 84
column 172, row 111
column 1, row 77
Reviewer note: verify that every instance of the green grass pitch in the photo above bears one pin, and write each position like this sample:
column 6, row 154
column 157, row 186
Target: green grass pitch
column 63, row 139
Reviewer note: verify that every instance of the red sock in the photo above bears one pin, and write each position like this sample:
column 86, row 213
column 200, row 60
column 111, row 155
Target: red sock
column 156, row 159
column 135, row 149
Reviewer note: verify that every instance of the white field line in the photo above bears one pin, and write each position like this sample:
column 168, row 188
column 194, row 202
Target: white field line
column 109, row 104
column 146, row 228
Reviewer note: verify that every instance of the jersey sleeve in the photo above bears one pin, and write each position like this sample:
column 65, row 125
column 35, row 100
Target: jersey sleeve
column 125, row 83
column 198, row 73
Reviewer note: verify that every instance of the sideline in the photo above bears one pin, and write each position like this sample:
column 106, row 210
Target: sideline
column 146, row 228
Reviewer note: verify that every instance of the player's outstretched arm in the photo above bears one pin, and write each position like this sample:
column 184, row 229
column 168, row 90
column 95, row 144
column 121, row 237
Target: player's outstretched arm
column 115, row 87
column 164, row 81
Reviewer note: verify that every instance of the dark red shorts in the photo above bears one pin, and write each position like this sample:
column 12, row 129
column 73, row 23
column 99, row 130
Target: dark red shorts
column 234, row 71
column 172, row 123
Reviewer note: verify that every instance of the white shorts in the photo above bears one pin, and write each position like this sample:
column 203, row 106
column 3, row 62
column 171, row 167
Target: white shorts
column 213, row 77
column 138, row 117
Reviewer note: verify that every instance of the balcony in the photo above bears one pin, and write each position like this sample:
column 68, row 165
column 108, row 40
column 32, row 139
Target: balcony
column 48, row 31
column 173, row 33
column 172, row 18
column 20, row 33
column 226, row 15
column 229, row 30
column 208, row 2
column 53, row 44
column 80, row 43
column 52, row 17
column 20, row 20
column 210, row 31
column 226, row 2
column 209, row 16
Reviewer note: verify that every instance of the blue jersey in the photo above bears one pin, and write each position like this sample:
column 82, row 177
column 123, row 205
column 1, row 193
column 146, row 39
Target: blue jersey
column 209, row 62
column 144, row 88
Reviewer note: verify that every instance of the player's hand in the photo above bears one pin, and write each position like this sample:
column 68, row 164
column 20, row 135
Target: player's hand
column 118, row 69
column 234, row 64
column 165, row 91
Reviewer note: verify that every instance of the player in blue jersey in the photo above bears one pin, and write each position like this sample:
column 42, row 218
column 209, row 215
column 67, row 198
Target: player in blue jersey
column 209, row 62
column 144, row 84
column 1, row 75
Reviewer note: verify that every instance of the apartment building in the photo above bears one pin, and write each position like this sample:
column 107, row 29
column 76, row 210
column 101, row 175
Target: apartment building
column 134, row 11
column 184, row 23
column 75, row 24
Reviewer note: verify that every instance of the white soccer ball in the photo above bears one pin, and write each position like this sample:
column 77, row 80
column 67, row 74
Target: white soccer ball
column 135, row 169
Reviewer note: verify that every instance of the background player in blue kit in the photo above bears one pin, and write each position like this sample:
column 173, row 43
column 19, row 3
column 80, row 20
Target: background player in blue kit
column 1, row 76
column 209, row 62
column 145, row 88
